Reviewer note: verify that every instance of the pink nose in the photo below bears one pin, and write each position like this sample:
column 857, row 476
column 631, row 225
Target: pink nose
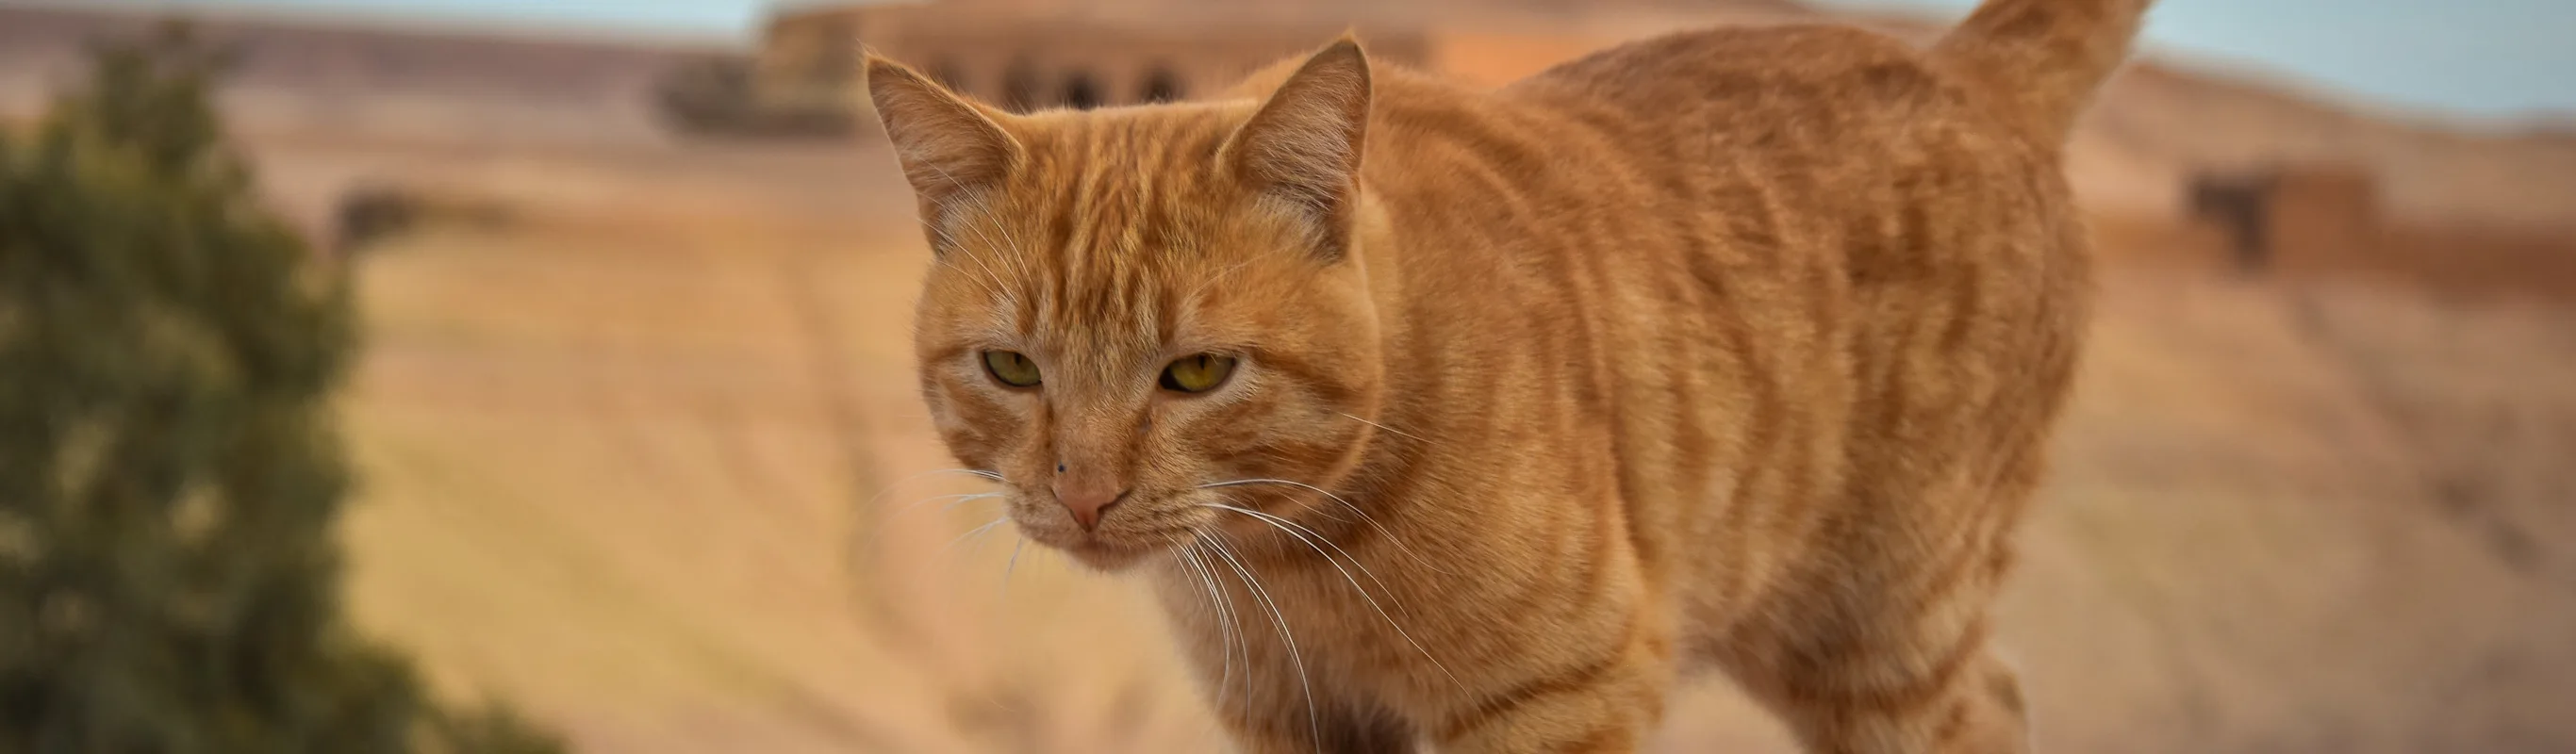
column 1086, row 500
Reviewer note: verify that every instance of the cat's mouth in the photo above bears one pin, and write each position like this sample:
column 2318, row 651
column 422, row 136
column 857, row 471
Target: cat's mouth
column 1118, row 543
column 1158, row 526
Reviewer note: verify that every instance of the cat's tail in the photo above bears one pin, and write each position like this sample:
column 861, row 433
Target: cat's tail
column 2044, row 58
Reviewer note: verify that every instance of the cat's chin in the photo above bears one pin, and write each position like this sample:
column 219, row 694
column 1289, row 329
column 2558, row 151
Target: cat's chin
column 1107, row 557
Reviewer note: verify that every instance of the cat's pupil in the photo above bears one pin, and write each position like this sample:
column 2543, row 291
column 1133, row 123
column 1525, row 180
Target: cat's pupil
column 1011, row 368
column 1196, row 374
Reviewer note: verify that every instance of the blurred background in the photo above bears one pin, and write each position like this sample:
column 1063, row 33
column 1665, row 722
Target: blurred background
column 577, row 366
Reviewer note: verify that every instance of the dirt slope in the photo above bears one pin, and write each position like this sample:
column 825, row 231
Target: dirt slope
column 616, row 455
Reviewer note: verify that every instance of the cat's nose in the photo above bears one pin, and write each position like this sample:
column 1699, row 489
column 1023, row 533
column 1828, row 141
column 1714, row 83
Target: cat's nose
column 1085, row 500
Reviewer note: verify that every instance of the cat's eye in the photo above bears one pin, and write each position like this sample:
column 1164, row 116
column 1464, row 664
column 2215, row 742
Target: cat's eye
column 1011, row 368
column 1197, row 374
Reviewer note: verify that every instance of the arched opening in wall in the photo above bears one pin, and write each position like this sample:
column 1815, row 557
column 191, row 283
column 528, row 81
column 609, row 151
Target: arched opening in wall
column 1161, row 85
column 1080, row 92
column 2241, row 206
column 836, row 63
column 1020, row 87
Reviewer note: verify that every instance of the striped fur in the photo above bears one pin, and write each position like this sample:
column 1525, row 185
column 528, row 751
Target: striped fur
column 1730, row 351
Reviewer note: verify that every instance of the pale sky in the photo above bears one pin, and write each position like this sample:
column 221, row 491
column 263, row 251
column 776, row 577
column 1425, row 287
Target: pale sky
column 2463, row 58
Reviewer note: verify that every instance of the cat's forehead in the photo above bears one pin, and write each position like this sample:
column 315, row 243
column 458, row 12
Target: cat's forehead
column 1115, row 198
column 1114, row 233
column 1159, row 151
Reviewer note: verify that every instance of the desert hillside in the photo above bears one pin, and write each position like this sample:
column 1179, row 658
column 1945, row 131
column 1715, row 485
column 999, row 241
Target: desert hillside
column 300, row 75
column 642, row 451
column 631, row 460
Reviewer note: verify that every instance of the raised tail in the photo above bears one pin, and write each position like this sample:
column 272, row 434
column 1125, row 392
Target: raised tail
column 2044, row 58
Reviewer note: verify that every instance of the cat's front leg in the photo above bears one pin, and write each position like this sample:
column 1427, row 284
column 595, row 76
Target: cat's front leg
column 1270, row 702
column 1267, row 734
column 1608, row 705
column 1268, row 705
column 1287, row 730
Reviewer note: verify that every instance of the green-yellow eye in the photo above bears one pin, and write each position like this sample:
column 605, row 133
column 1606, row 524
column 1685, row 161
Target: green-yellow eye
column 1011, row 368
column 1197, row 374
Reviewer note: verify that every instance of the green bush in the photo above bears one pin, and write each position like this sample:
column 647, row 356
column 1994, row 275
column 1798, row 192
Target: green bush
column 169, row 472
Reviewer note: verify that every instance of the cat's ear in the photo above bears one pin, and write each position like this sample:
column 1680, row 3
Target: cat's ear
column 1303, row 146
column 952, row 149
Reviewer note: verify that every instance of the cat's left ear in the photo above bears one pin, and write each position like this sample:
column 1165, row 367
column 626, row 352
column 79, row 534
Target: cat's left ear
column 1302, row 148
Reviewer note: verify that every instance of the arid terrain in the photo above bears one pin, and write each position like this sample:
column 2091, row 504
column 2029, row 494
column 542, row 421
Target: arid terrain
column 641, row 451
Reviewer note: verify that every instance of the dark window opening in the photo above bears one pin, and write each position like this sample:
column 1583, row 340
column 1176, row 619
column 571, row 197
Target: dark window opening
column 837, row 63
column 1162, row 86
column 948, row 74
column 2240, row 205
column 1020, row 87
column 1080, row 93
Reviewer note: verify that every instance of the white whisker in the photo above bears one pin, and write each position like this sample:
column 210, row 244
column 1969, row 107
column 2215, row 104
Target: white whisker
column 999, row 289
column 988, row 526
column 891, row 486
column 1018, row 261
column 1218, row 604
column 876, row 535
column 1292, row 527
column 870, row 507
column 1313, row 724
column 1233, row 616
column 1398, row 432
column 990, row 284
column 942, row 554
column 954, row 500
column 1416, row 557
column 1212, row 280
column 1013, row 565
column 995, row 285
column 1278, row 522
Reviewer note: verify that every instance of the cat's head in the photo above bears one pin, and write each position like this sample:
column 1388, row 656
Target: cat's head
column 1135, row 311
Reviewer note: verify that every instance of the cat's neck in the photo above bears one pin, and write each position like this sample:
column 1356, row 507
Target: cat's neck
column 1374, row 249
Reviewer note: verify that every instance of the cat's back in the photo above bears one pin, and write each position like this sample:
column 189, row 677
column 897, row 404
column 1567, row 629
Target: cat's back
column 1816, row 115
column 1739, row 73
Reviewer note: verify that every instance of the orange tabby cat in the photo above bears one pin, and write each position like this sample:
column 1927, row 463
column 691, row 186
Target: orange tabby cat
column 1480, row 419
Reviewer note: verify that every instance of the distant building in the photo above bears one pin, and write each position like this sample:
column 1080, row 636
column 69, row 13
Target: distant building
column 1035, row 54
column 2291, row 218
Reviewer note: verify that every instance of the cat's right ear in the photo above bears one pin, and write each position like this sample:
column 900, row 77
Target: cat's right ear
column 952, row 149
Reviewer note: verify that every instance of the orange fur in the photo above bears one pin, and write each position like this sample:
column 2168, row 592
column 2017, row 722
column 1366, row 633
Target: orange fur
column 1733, row 350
